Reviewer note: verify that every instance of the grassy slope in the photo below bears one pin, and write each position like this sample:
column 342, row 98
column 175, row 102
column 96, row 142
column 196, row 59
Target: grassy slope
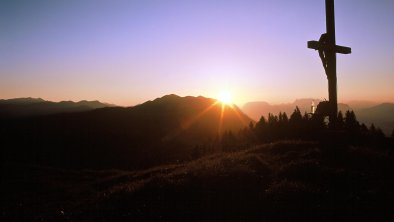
column 280, row 181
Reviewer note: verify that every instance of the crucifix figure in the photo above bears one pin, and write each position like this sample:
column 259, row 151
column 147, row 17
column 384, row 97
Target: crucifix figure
column 327, row 51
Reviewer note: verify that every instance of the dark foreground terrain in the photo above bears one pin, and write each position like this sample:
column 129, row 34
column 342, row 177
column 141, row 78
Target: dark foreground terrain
column 290, row 180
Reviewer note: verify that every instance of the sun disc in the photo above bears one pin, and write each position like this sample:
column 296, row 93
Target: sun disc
column 225, row 97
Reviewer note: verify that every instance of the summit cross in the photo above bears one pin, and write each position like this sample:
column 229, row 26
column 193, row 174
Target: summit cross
column 327, row 51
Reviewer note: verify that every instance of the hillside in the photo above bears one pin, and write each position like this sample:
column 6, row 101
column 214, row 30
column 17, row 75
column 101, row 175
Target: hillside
column 283, row 181
column 167, row 129
column 25, row 107
column 174, row 159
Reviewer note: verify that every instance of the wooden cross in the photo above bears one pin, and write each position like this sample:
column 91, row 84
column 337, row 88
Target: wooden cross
column 327, row 50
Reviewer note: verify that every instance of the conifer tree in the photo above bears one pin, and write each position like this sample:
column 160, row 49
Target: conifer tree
column 340, row 120
column 296, row 116
column 260, row 128
column 351, row 123
column 285, row 118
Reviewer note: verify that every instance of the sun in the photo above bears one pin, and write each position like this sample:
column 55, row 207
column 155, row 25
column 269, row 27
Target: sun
column 225, row 97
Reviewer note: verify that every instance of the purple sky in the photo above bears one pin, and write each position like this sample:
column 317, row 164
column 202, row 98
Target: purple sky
column 127, row 52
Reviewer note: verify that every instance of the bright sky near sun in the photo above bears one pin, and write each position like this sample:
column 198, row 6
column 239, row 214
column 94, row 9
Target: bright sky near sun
column 127, row 52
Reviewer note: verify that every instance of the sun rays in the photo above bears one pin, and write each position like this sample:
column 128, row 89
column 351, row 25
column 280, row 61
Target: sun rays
column 225, row 111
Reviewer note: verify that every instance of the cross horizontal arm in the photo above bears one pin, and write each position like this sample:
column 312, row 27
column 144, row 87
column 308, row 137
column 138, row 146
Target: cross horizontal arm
column 338, row 49
column 343, row 49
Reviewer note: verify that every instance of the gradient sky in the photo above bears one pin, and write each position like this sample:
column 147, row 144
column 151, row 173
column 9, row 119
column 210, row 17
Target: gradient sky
column 127, row 52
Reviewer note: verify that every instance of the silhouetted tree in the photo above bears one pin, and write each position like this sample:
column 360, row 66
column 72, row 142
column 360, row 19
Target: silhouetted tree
column 283, row 119
column 261, row 123
column 283, row 126
column 296, row 117
column 261, row 129
column 351, row 123
column 340, row 120
column 272, row 119
column 364, row 130
column 376, row 134
column 273, row 127
column 296, row 123
column 379, row 134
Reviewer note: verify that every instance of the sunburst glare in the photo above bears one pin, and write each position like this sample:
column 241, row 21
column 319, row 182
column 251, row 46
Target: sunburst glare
column 225, row 97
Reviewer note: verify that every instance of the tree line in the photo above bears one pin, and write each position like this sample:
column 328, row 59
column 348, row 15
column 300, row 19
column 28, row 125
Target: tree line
column 303, row 127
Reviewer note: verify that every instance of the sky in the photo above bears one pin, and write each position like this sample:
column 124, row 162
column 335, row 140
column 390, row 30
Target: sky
column 128, row 52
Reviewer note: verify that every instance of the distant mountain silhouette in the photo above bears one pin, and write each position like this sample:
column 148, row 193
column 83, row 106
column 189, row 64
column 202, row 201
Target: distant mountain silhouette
column 256, row 109
column 167, row 129
column 23, row 107
column 381, row 116
column 27, row 100
column 361, row 104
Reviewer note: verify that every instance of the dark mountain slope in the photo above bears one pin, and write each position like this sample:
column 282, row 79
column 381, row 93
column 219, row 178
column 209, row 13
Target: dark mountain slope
column 168, row 129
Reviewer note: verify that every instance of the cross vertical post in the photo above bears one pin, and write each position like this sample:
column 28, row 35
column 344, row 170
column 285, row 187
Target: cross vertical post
column 332, row 62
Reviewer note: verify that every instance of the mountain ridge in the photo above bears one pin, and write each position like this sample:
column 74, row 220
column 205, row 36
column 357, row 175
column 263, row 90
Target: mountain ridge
column 28, row 106
column 165, row 130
